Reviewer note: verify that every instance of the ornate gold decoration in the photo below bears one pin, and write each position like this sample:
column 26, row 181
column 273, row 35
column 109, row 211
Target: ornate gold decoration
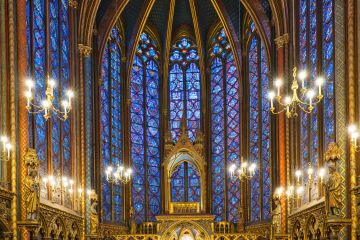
column 282, row 40
column 184, row 207
column 333, row 153
column 84, row 50
column 133, row 225
column 276, row 215
column 333, row 186
column 73, row 3
column 148, row 228
column 94, row 218
column 31, row 184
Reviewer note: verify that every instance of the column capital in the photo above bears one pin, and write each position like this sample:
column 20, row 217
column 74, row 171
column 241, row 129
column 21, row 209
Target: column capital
column 282, row 40
column 73, row 3
column 84, row 50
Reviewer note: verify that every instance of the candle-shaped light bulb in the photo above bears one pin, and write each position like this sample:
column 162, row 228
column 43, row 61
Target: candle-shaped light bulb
column 299, row 191
column 271, row 97
column 28, row 96
column 4, row 140
column 8, row 147
column 46, row 106
column 322, row 172
column 310, row 172
column 354, row 137
column 320, row 82
column 298, row 174
column 80, row 191
column 70, row 95
column 51, row 85
column 66, row 107
column 45, row 180
column 310, row 95
column 279, row 191
column 278, row 84
column 302, row 75
column 88, row 192
column 352, row 129
column 29, row 83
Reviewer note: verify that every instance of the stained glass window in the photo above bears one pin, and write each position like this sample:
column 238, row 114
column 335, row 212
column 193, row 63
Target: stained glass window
column 145, row 130
column 184, row 85
column 185, row 183
column 259, row 130
column 316, row 28
column 111, row 126
column 51, row 139
column 225, row 128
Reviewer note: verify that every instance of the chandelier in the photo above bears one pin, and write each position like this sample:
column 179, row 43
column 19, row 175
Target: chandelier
column 354, row 135
column 303, row 99
column 47, row 105
column 59, row 184
column 297, row 191
column 119, row 175
column 246, row 171
column 5, row 149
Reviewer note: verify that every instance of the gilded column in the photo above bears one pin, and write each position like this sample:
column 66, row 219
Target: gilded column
column 23, row 143
column 281, row 43
column 351, row 79
column 85, row 129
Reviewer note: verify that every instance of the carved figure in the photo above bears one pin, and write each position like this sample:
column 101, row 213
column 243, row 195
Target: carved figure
column 94, row 220
column 276, row 215
column 31, row 185
column 333, row 191
column 133, row 225
column 334, row 181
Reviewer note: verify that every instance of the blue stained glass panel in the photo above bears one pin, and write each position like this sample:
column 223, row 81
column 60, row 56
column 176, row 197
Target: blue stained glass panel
column 184, row 87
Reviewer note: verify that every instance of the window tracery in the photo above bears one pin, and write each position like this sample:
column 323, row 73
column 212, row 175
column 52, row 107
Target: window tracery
column 49, row 56
column 316, row 55
column 184, row 87
column 111, row 120
column 225, row 128
column 145, row 130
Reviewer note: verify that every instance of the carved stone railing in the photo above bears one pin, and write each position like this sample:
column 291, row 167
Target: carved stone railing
column 137, row 237
column 308, row 220
column 5, row 212
column 109, row 230
column 184, row 207
column 262, row 230
column 148, row 228
column 238, row 236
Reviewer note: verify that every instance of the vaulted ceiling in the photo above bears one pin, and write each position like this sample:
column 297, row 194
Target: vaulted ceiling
column 158, row 17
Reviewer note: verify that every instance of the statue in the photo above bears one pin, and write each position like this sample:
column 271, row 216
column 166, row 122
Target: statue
column 31, row 185
column 333, row 191
column 276, row 215
column 133, row 225
column 241, row 220
column 333, row 185
column 94, row 219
